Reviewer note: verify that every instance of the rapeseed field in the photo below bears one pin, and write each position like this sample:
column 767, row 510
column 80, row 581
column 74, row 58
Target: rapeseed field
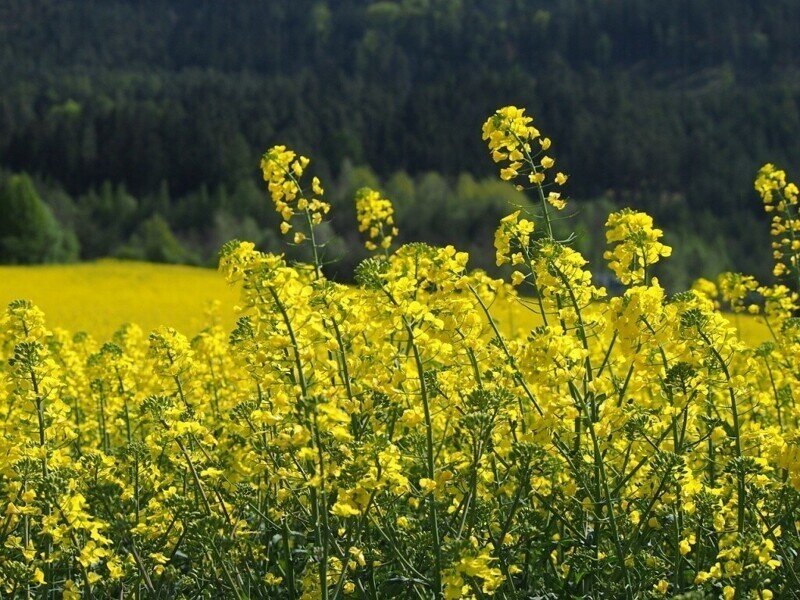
column 413, row 435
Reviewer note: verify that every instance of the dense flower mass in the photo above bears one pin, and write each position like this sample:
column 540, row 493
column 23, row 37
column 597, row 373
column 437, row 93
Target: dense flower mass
column 389, row 440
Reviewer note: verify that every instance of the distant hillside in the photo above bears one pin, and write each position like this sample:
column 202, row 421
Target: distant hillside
column 667, row 105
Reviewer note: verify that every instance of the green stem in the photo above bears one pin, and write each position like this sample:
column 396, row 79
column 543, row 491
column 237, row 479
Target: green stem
column 741, row 491
column 437, row 577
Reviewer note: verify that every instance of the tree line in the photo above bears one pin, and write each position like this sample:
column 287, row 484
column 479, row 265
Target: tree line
column 139, row 124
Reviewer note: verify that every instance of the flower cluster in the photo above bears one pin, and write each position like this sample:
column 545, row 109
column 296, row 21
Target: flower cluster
column 375, row 215
column 735, row 288
column 512, row 239
column 515, row 142
column 394, row 438
column 283, row 171
column 636, row 246
column 781, row 198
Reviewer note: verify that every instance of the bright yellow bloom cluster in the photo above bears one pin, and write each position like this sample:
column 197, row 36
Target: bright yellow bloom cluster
column 636, row 246
column 472, row 566
column 781, row 198
column 706, row 287
column 283, row 171
column 375, row 215
column 388, row 439
column 512, row 239
column 512, row 139
column 734, row 288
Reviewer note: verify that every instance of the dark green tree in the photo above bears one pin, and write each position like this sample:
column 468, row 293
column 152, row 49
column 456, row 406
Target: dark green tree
column 159, row 244
column 28, row 231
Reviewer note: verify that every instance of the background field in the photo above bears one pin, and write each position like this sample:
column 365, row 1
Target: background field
column 98, row 297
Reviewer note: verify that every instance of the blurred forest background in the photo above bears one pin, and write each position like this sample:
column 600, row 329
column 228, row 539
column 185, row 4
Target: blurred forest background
column 133, row 128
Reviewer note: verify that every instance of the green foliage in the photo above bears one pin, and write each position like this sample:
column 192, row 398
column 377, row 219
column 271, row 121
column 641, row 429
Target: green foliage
column 669, row 106
column 28, row 231
column 154, row 242
column 107, row 216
